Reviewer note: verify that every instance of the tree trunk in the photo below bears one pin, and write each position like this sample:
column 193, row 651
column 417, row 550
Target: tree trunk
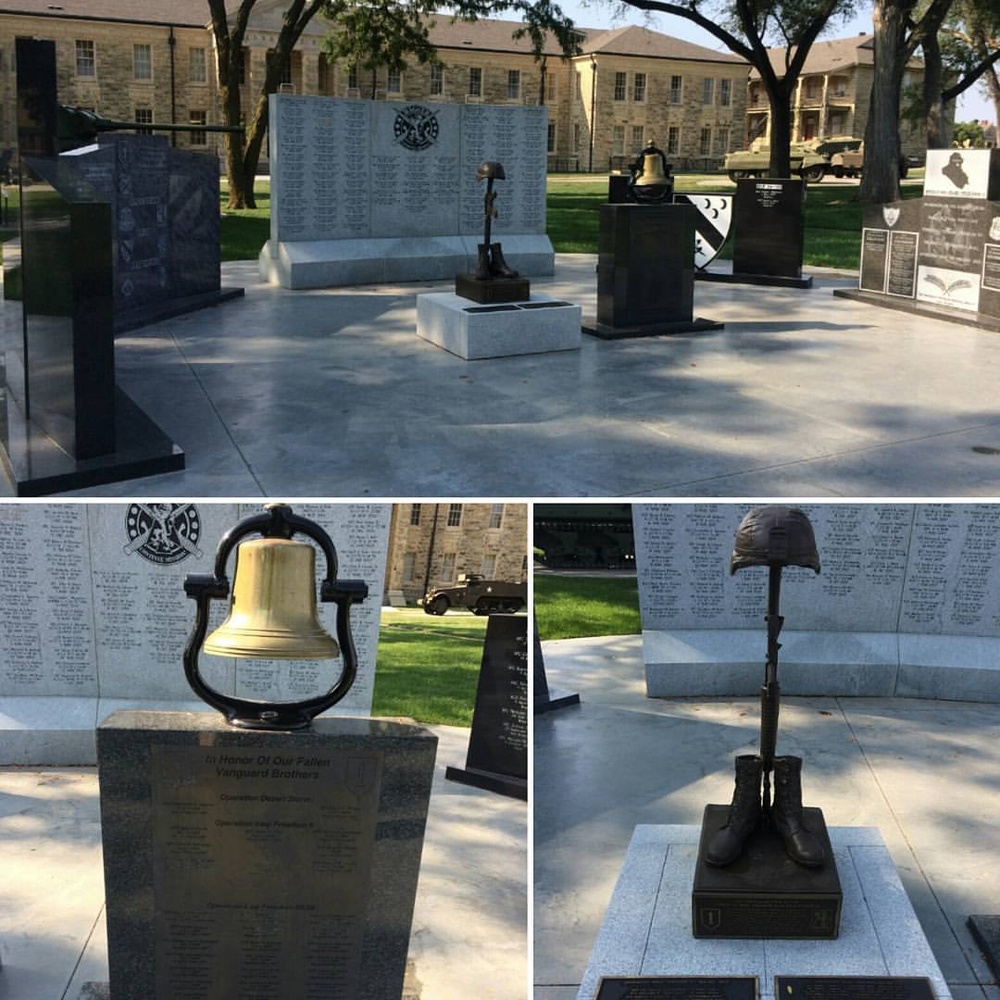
column 880, row 179
column 781, row 132
column 938, row 133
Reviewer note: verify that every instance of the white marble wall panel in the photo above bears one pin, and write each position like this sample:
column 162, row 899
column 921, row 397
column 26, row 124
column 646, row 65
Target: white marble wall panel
column 93, row 603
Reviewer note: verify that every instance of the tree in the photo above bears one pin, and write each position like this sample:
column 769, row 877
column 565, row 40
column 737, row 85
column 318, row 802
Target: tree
column 397, row 32
column 796, row 24
column 970, row 48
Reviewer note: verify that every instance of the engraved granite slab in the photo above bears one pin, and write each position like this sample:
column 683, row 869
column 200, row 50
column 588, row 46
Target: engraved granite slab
column 853, row 988
column 678, row 988
column 260, row 864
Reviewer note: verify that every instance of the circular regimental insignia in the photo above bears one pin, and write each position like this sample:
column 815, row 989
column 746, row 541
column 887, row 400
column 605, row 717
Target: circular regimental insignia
column 416, row 127
column 163, row 533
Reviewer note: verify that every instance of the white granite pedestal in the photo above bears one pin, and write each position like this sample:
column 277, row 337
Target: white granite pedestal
column 474, row 331
column 647, row 928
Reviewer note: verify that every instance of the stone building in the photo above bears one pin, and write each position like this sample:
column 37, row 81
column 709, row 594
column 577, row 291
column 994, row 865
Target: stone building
column 833, row 94
column 430, row 544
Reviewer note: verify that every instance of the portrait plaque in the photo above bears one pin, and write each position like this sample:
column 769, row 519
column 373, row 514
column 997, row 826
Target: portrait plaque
column 262, row 865
column 853, row 988
column 677, row 988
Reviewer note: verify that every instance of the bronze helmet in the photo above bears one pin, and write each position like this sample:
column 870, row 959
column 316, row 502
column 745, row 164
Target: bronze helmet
column 774, row 536
column 490, row 170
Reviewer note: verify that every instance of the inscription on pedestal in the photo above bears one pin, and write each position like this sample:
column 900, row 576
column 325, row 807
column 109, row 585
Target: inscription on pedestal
column 677, row 988
column 853, row 988
column 262, row 868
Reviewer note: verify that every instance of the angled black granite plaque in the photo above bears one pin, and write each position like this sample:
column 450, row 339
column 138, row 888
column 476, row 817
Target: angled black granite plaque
column 853, row 988
column 769, row 233
column 985, row 930
column 497, row 757
column 677, row 988
column 764, row 894
column 544, row 699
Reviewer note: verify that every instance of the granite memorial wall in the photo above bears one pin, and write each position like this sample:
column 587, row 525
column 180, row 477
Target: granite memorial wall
column 353, row 181
column 941, row 251
column 94, row 608
column 908, row 600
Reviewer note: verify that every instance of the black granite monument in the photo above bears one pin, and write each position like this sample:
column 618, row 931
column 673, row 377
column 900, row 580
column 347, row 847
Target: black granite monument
column 645, row 272
column 766, row 869
column 497, row 758
column 677, row 988
column 543, row 698
column 938, row 255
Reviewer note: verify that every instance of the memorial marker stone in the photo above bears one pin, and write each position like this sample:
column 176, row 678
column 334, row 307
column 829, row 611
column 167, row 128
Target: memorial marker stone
column 769, row 233
column 497, row 757
column 853, row 988
column 678, row 988
column 359, row 182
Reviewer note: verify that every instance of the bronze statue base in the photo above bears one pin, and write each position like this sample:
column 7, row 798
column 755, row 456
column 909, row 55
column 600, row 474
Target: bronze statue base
column 764, row 894
column 492, row 290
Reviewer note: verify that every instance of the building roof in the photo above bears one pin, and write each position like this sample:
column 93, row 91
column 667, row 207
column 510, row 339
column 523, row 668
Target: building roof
column 832, row 54
column 633, row 40
column 193, row 13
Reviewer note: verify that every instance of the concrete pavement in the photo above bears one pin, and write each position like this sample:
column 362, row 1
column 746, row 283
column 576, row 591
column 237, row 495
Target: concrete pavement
column 469, row 927
column 925, row 773
column 331, row 393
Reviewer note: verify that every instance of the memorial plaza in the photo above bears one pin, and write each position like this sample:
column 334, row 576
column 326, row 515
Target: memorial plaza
column 923, row 773
column 330, row 392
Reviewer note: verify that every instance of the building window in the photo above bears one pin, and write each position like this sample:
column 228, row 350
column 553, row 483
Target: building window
column 675, row 90
column 673, row 140
column 551, row 141
column 707, row 90
column 722, row 140
column 352, row 77
column 394, row 81
column 197, row 66
column 621, row 86
column 243, row 68
column 414, row 513
column 513, row 85
column 437, row 79
column 409, row 567
column 324, row 74
column 475, row 81
column 705, row 142
column 725, row 93
column 199, row 138
column 286, row 70
column 142, row 62
column 618, row 140
column 576, row 137
column 639, row 88
column 579, row 85
column 454, row 515
column 86, row 59
column 489, row 566
column 496, row 515
column 637, row 138
column 448, row 567
column 143, row 116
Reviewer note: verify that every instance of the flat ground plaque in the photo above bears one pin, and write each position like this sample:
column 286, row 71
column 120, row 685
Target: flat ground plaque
column 678, row 988
column 853, row 988
column 764, row 894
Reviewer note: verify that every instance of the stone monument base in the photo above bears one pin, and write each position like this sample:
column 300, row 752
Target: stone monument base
column 764, row 893
column 333, row 263
column 38, row 466
column 492, row 290
column 740, row 278
column 834, row 664
column 647, row 927
column 606, row 332
column 498, row 331
column 239, row 861
column 489, row 781
column 917, row 308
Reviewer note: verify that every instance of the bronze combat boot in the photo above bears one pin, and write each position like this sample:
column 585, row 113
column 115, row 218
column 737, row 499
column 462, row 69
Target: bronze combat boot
column 786, row 814
column 726, row 844
column 498, row 266
column 483, row 263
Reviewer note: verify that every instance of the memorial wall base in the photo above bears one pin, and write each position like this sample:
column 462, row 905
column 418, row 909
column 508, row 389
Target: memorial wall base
column 724, row 662
column 243, row 863
column 917, row 308
column 336, row 263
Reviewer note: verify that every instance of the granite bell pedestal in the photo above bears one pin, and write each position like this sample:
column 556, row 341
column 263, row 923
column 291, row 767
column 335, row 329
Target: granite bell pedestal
column 243, row 863
column 473, row 331
column 647, row 927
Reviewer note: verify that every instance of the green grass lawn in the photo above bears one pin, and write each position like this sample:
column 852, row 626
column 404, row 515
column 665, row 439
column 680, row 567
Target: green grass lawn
column 832, row 217
column 428, row 666
column 569, row 607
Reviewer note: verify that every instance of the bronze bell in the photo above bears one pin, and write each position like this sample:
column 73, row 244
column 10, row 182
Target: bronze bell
column 273, row 610
column 651, row 180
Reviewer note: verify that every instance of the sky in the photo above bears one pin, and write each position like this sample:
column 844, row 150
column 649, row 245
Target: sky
column 973, row 105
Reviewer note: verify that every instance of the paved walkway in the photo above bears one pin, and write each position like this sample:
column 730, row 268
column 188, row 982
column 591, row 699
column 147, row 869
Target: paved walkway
column 468, row 939
column 331, row 393
column 925, row 773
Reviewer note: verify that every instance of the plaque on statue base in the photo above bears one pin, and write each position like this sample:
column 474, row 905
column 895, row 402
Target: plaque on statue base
column 764, row 894
column 678, row 988
column 491, row 290
column 853, row 987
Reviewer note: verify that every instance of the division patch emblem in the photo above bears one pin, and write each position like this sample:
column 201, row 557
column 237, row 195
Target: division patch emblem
column 163, row 533
column 416, row 127
column 711, row 227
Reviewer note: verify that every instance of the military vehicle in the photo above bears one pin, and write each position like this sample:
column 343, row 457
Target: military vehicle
column 481, row 596
column 811, row 160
